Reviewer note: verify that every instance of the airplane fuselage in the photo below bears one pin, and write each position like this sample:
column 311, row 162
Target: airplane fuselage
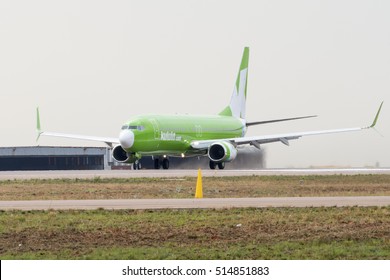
column 172, row 135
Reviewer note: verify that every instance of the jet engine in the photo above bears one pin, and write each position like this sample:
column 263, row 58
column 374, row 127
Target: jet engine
column 120, row 155
column 222, row 152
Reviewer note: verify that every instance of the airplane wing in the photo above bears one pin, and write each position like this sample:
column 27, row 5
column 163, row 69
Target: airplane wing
column 108, row 140
column 284, row 138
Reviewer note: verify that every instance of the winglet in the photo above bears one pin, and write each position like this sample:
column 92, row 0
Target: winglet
column 38, row 125
column 376, row 117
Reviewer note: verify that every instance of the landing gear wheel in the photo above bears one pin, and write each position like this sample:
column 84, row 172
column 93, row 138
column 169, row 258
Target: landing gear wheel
column 137, row 165
column 221, row 165
column 157, row 164
column 212, row 164
column 165, row 163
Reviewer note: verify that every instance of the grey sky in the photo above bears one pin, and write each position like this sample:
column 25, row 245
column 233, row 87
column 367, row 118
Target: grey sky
column 91, row 65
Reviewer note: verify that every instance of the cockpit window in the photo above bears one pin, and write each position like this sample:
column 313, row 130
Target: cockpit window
column 133, row 127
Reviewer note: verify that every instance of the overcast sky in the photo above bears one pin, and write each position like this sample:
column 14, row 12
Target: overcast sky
column 91, row 65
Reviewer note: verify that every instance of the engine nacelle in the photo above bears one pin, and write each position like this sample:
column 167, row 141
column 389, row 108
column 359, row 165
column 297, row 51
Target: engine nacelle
column 120, row 155
column 222, row 151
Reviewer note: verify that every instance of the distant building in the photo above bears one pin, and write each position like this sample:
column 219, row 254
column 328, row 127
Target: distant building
column 99, row 158
column 54, row 158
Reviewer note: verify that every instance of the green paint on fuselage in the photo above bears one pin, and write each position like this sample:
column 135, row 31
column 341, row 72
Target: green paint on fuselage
column 172, row 134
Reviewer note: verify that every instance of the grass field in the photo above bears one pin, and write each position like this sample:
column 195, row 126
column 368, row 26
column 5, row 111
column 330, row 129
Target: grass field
column 271, row 233
column 285, row 233
column 251, row 186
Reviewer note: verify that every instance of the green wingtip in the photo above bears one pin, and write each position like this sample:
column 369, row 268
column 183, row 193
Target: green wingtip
column 245, row 59
column 377, row 116
column 38, row 125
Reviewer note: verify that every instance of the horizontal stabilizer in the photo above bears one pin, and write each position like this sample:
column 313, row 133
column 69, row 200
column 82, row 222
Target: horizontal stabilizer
column 278, row 120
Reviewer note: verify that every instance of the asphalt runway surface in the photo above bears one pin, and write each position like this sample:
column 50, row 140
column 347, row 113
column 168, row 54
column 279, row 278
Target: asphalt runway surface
column 203, row 203
column 171, row 173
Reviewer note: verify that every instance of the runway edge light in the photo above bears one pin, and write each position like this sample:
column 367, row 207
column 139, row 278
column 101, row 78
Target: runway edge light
column 199, row 189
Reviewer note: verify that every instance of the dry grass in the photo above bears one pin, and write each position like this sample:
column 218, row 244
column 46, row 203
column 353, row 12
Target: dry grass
column 253, row 186
column 285, row 233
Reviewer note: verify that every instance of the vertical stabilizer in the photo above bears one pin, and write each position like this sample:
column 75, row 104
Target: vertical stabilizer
column 237, row 104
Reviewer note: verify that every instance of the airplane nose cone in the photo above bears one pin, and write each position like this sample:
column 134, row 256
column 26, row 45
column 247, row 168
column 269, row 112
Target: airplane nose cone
column 126, row 139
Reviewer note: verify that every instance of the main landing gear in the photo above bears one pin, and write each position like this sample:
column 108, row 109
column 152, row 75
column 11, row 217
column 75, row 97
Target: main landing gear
column 213, row 165
column 164, row 162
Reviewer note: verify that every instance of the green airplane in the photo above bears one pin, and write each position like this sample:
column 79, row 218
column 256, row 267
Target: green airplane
column 215, row 136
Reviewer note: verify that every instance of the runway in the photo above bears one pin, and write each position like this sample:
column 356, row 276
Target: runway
column 216, row 203
column 90, row 174
column 205, row 203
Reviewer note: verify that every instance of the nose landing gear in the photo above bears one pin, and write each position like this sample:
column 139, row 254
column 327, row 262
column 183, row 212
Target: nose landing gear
column 137, row 165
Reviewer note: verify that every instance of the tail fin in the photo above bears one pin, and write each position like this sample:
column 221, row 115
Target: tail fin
column 237, row 104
